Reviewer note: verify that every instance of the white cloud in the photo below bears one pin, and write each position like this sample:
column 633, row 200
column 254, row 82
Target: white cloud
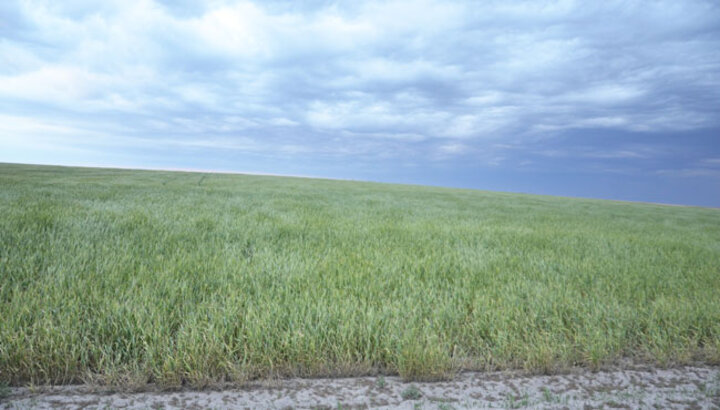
column 605, row 94
column 59, row 84
column 240, row 30
column 355, row 114
column 374, row 69
column 602, row 122
column 283, row 122
column 453, row 148
column 18, row 128
column 486, row 123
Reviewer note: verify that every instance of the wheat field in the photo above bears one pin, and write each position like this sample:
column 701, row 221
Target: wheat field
column 127, row 277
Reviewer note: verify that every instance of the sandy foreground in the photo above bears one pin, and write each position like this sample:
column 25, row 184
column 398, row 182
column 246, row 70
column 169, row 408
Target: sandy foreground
column 684, row 387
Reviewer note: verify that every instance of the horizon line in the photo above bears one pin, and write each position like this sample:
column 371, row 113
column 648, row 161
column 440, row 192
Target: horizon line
column 252, row 173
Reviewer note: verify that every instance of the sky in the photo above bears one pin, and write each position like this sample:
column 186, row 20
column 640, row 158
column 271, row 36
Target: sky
column 600, row 99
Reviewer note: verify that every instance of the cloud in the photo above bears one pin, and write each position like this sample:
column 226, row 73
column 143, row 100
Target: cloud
column 435, row 79
column 711, row 162
column 691, row 173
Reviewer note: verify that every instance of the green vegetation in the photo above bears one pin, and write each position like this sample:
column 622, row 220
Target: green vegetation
column 128, row 277
column 517, row 401
column 380, row 382
column 411, row 393
column 4, row 391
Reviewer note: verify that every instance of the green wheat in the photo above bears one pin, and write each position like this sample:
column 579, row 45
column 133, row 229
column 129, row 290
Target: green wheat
column 174, row 278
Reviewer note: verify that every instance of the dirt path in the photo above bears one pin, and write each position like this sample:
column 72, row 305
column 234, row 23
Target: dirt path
column 686, row 387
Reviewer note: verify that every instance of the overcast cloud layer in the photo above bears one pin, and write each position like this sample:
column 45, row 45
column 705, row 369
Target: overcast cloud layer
column 614, row 99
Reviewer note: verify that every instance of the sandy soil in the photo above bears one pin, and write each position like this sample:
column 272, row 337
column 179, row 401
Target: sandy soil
column 686, row 387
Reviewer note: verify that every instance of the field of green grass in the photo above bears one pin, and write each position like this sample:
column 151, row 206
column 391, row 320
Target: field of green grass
column 127, row 277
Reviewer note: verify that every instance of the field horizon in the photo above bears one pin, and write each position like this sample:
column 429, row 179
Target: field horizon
column 126, row 277
column 267, row 174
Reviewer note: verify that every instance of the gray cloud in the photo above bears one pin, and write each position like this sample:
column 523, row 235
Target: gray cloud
column 429, row 79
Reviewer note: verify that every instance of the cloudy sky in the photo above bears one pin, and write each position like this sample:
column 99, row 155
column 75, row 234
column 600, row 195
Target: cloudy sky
column 606, row 99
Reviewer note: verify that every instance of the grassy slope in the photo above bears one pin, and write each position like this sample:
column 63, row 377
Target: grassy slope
column 194, row 278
